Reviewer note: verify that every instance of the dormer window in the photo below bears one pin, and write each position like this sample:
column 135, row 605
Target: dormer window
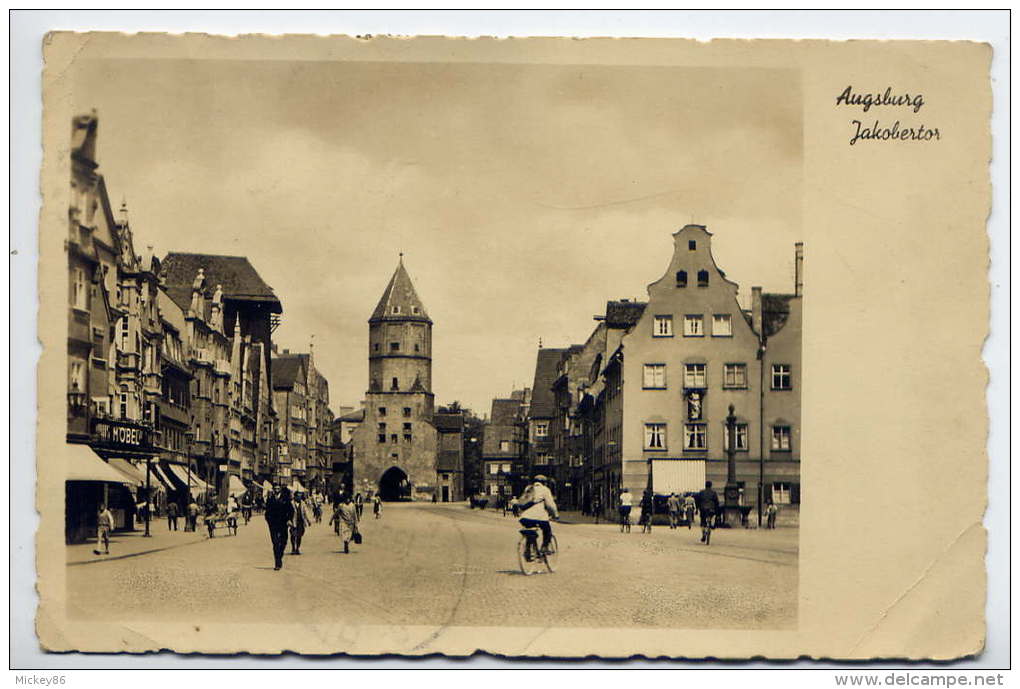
column 692, row 245
column 414, row 310
column 702, row 278
column 681, row 278
column 395, row 310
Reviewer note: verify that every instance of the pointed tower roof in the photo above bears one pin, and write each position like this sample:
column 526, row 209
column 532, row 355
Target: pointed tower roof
column 400, row 301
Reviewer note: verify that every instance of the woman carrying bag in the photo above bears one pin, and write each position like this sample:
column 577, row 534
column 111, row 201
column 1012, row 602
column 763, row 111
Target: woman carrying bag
column 345, row 517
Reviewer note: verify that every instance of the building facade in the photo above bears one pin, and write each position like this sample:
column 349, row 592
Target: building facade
column 659, row 420
column 396, row 447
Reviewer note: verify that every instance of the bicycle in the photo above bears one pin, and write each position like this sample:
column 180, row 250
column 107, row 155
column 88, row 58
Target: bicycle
column 625, row 520
column 532, row 557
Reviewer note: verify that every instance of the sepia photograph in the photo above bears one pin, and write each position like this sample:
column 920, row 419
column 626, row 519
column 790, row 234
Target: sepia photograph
column 432, row 346
column 367, row 315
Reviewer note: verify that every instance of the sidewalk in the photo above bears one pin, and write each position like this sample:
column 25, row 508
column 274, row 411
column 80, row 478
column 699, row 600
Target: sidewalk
column 125, row 544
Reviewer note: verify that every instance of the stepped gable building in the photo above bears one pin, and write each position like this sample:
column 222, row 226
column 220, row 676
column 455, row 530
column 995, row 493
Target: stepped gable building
column 396, row 445
column 658, row 418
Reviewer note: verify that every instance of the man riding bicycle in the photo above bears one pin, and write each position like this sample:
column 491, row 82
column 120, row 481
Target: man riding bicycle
column 537, row 505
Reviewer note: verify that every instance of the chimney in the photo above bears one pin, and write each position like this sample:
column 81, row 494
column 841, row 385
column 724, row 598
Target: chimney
column 756, row 317
column 798, row 275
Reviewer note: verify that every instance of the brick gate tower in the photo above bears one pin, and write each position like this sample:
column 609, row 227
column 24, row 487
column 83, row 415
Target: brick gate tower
column 395, row 447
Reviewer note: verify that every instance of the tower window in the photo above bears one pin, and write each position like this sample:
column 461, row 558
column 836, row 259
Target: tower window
column 394, row 346
column 702, row 278
column 414, row 310
column 394, row 384
column 417, row 348
column 681, row 278
column 395, row 310
column 393, row 438
column 692, row 245
column 382, row 411
column 407, row 412
column 375, row 346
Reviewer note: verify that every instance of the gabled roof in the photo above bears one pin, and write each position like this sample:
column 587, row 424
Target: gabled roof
column 238, row 278
column 448, row 423
column 624, row 314
column 504, row 412
column 356, row 416
column 400, row 293
column 287, row 370
column 543, row 405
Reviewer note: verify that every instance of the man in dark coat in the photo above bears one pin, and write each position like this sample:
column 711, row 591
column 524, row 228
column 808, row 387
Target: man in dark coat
column 279, row 512
column 708, row 505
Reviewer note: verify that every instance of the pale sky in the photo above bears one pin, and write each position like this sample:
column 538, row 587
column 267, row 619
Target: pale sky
column 523, row 196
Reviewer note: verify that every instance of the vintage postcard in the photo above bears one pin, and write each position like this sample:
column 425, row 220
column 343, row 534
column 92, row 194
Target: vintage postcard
column 533, row 347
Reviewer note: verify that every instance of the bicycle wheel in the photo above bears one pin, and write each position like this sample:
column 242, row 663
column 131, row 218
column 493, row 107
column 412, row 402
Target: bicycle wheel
column 552, row 557
column 527, row 557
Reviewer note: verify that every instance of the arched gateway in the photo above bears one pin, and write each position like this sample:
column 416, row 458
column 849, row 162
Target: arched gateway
column 394, row 485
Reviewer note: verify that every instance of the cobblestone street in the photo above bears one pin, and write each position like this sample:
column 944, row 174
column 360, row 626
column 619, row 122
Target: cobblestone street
column 445, row 564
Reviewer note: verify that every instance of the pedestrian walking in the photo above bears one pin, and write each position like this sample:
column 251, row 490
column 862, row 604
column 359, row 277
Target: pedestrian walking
column 708, row 506
column 192, row 522
column 596, row 507
column 377, row 506
column 673, row 505
column 298, row 522
column 359, row 504
column 279, row 511
column 104, row 527
column 171, row 516
column 345, row 521
column 515, row 507
column 771, row 511
column 647, row 508
column 246, row 505
column 689, row 508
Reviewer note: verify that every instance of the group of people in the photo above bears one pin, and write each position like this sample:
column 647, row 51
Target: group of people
column 705, row 503
column 287, row 516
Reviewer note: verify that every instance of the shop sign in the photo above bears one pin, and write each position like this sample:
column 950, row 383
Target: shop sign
column 121, row 435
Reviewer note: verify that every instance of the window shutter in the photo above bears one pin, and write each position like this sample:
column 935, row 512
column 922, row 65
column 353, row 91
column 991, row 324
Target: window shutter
column 795, row 493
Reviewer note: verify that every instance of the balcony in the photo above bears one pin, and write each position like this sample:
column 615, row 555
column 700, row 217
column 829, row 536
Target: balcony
column 129, row 361
column 221, row 367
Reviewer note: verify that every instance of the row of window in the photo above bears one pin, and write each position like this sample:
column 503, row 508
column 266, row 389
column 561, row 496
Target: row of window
column 734, row 376
column 407, row 412
column 696, row 437
column 495, row 468
column 393, row 437
column 694, row 325
column 395, row 347
column 395, row 310
column 681, row 278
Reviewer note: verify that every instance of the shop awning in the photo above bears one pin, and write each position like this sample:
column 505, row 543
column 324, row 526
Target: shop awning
column 133, row 475
column 198, row 486
column 237, row 486
column 158, row 475
column 85, row 465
